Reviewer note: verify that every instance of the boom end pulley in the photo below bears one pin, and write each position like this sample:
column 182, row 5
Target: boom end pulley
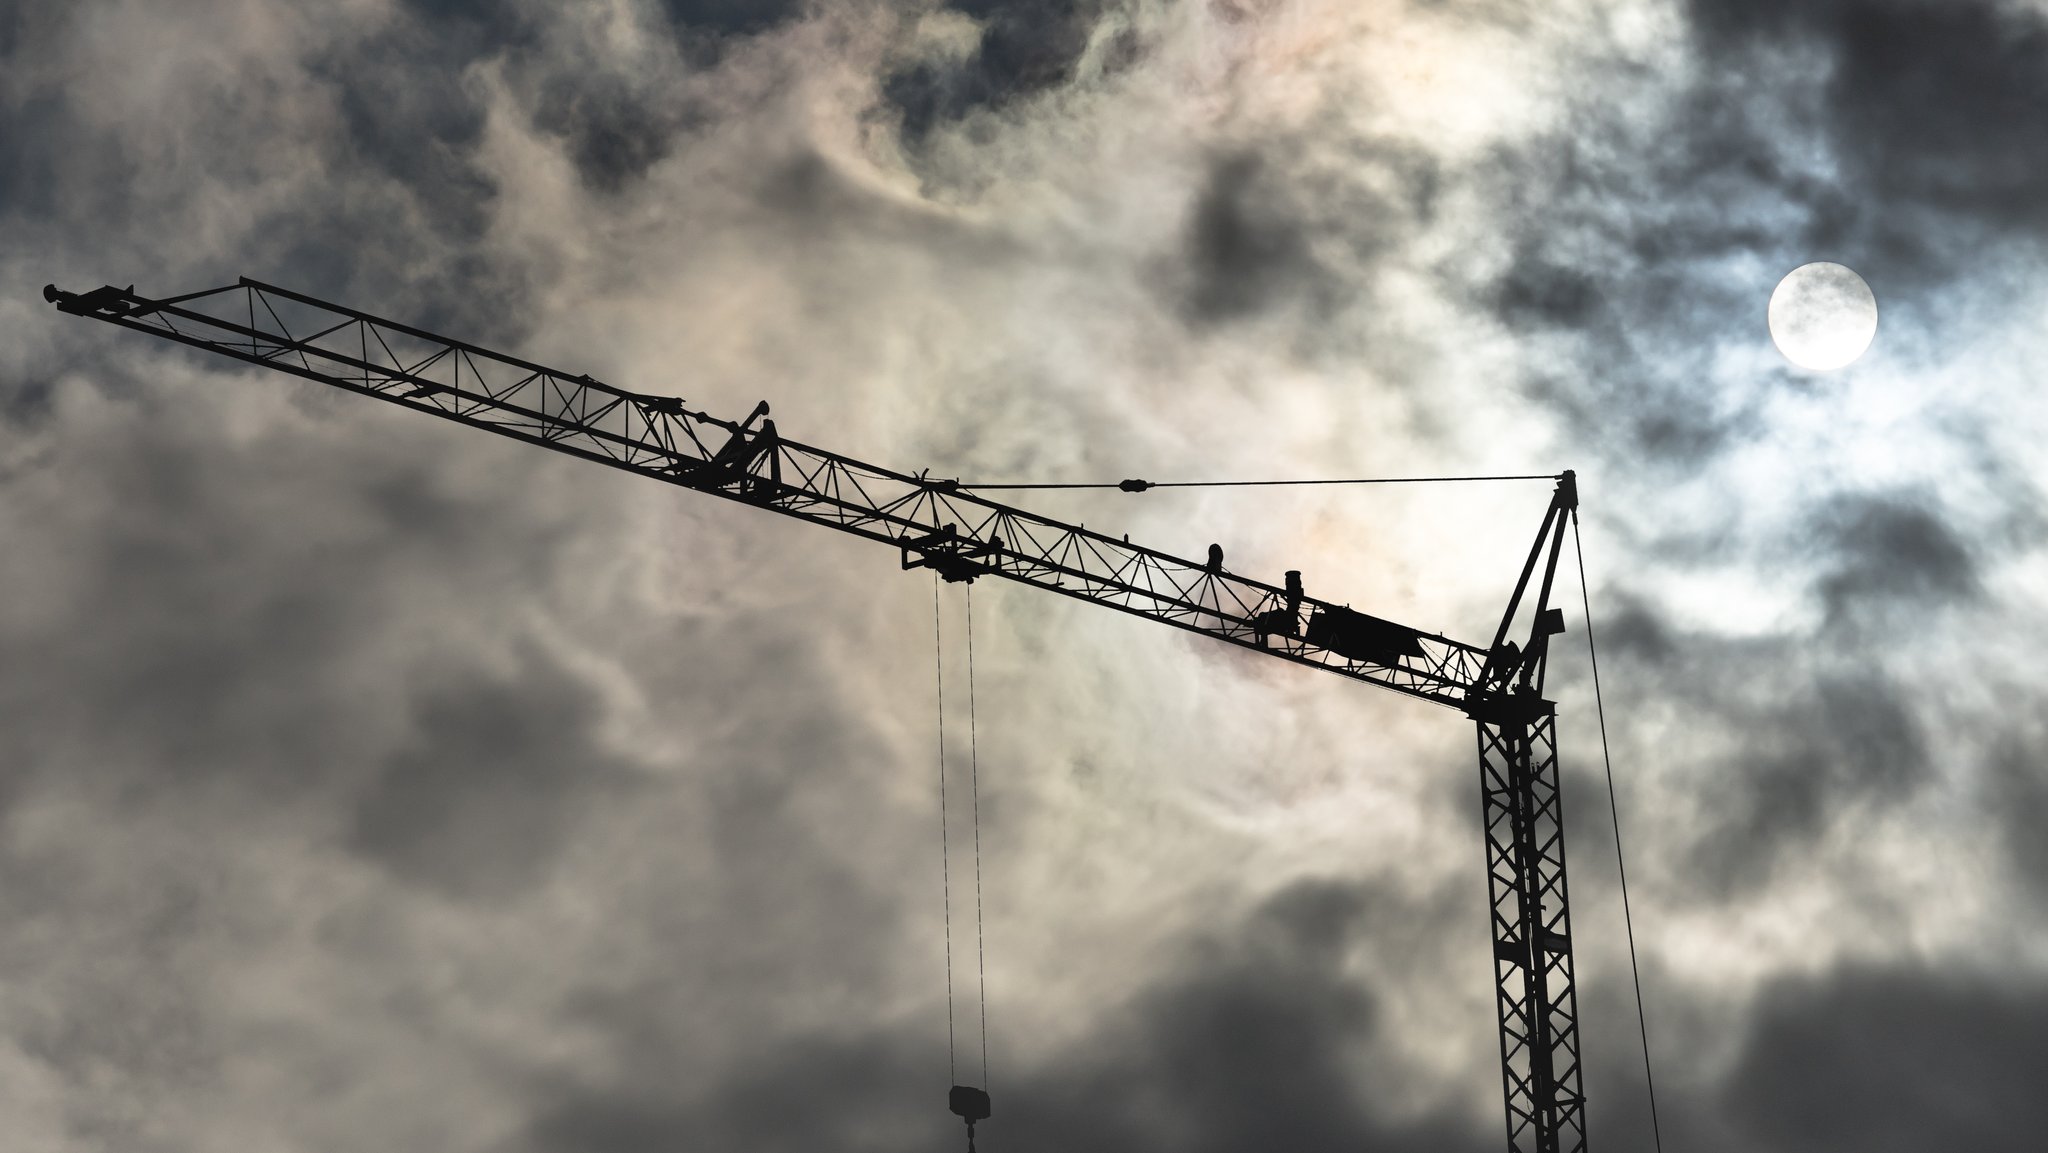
column 105, row 303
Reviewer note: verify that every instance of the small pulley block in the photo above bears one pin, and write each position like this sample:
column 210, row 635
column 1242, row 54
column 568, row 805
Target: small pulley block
column 970, row 1105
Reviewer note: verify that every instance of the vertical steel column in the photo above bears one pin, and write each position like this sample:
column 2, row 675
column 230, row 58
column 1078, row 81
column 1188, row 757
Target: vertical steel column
column 1532, row 931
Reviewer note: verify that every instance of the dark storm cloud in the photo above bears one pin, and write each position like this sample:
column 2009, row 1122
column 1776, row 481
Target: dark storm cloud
column 401, row 211
column 1829, row 728
column 852, row 1095
column 486, row 793
column 51, row 165
column 1837, row 744
column 409, row 116
column 1818, row 740
column 1535, row 292
column 612, row 129
column 727, row 17
column 1026, row 47
column 1244, row 246
column 1894, row 551
column 2016, row 773
column 613, row 133
column 218, row 675
column 615, row 124
column 393, row 206
column 1249, row 1040
column 1608, row 229
column 278, row 646
column 1932, row 104
column 1250, row 1043
column 414, row 111
column 29, row 153
column 1281, row 225
column 1892, row 1060
column 614, row 121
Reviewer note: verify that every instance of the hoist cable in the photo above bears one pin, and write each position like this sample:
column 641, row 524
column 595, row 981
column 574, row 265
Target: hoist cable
column 1614, row 811
column 974, row 777
column 945, row 848
column 1143, row 485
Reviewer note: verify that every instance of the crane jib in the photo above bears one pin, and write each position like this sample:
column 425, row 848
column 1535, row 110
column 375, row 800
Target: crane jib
column 962, row 536
column 658, row 436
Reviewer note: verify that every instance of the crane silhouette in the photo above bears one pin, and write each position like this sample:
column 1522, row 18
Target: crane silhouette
column 963, row 536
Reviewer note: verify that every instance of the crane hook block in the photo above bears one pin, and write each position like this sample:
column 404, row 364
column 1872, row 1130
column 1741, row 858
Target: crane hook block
column 968, row 1103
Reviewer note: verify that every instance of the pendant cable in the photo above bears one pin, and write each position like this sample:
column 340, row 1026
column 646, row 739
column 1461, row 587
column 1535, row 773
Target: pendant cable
column 968, row 1102
column 1145, row 485
column 1614, row 811
column 974, row 778
column 945, row 848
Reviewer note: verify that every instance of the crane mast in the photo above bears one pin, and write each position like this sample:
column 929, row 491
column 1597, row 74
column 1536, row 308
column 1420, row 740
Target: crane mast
column 962, row 536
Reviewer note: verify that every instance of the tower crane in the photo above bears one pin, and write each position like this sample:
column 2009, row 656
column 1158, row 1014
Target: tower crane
column 945, row 526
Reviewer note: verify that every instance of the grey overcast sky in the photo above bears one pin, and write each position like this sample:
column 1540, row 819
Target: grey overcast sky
column 369, row 784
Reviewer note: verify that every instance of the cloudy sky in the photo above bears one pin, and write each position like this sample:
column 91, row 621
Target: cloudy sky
column 370, row 784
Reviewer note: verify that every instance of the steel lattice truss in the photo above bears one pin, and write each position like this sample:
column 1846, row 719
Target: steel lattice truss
column 962, row 536
column 935, row 522
column 1535, row 993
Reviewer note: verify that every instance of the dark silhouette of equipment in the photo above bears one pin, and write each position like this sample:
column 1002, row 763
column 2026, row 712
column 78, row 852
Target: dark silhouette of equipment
column 970, row 1105
column 941, row 525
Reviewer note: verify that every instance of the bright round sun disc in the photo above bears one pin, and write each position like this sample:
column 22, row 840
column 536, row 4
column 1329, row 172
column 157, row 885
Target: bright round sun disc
column 1823, row 316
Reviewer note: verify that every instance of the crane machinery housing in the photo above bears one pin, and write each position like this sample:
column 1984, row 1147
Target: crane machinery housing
column 949, row 528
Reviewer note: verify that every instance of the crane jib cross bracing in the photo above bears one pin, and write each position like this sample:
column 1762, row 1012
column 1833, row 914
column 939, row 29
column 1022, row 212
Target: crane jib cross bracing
column 961, row 535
